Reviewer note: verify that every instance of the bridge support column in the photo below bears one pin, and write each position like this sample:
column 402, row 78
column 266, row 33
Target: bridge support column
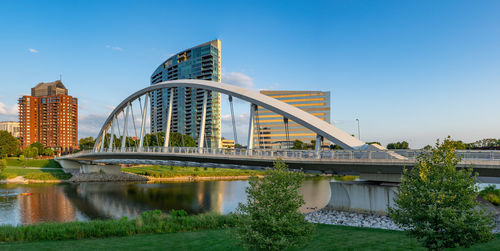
column 143, row 125
column 201, row 137
column 125, row 132
column 253, row 107
column 112, row 136
column 317, row 147
column 166, row 142
column 362, row 197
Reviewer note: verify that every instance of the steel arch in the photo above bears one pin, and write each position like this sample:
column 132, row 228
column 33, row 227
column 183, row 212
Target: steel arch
column 299, row 116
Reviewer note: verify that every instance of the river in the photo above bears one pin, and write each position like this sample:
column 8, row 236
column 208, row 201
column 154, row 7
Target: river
column 85, row 201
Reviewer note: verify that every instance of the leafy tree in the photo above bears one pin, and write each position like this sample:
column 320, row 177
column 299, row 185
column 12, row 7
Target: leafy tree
column 335, row 147
column 9, row 145
column 30, row 152
column 48, row 152
column 86, row 143
column 38, row 146
column 427, row 148
column 436, row 202
column 373, row 142
column 298, row 145
column 3, row 164
column 270, row 220
column 398, row 145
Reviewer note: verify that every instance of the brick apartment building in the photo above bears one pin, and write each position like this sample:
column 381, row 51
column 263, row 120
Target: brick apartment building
column 49, row 116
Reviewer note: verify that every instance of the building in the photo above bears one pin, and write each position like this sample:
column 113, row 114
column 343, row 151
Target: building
column 200, row 62
column 227, row 143
column 270, row 128
column 49, row 116
column 10, row 126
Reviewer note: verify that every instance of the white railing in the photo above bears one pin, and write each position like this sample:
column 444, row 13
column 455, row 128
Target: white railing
column 296, row 154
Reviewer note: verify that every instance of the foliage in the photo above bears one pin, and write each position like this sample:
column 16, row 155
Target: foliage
column 436, row 202
column 30, row 152
column 9, row 145
column 3, row 164
column 86, row 143
column 177, row 171
column 373, row 142
column 270, row 219
column 491, row 194
column 398, row 145
column 299, row 145
column 147, row 222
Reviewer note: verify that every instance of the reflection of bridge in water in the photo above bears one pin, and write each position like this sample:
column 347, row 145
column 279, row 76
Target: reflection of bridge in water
column 116, row 200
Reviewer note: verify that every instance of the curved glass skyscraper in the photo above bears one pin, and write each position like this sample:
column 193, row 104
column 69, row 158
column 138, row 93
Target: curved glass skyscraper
column 200, row 62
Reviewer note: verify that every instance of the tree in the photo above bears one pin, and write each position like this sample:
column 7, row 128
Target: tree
column 298, row 145
column 86, row 143
column 436, row 202
column 270, row 220
column 48, row 152
column 30, row 152
column 3, row 164
column 398, row 145
column 8, row 144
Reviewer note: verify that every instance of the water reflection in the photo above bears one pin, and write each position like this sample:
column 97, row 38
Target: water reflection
column 70, row 202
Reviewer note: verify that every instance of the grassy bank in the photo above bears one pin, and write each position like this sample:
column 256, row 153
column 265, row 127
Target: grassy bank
column 177, row 171
column 45, row 163
column 326, row 238
column 491, row 194
column 34, row 174
column 148, row 222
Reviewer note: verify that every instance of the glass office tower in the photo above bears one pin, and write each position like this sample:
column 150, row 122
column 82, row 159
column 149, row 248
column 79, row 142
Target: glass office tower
column 270, row 130
column 200, row 62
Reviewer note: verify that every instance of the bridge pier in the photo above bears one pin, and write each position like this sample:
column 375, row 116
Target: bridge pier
column 362, row 197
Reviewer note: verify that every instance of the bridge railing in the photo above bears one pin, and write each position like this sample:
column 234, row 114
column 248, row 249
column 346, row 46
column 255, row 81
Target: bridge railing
column 298, row 154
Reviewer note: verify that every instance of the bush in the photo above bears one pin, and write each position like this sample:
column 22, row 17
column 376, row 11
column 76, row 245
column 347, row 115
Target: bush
column 436, row 202
column 3, row 164
column 270, row 219
column 491, row 194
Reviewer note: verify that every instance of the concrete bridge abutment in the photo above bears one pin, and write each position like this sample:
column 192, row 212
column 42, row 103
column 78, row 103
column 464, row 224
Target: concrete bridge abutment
column 362, row 197
column 89, row 168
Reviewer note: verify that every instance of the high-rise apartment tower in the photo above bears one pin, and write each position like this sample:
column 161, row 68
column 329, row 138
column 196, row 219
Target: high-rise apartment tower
column 49, row 116
column 270, row 129
column 200, row 62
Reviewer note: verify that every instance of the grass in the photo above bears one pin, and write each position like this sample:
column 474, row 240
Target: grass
column 491, row 194
column 147, row 222
column 45, row 163
column 34, row 174
column 177, row 171
column 327, row 237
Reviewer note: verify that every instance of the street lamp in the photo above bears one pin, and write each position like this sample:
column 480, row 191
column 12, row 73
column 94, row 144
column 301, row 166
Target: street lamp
column 359, row 134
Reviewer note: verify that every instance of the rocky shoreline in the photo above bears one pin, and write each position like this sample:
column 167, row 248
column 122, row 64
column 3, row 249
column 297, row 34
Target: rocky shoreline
column 334, row 217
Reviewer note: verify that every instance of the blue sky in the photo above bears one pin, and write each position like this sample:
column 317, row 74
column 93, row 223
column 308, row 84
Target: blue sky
column 409, row 70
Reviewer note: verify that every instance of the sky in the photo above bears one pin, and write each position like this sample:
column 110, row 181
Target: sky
column 408, row 70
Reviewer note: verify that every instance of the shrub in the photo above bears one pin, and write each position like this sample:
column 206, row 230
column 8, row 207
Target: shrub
column 436, row 202
column 491, row 194
column 270, row 219
column 3, row 164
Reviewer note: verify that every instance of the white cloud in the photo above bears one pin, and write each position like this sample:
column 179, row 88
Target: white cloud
column 238, row 79
column 32, row 50
column 8, row 111
column 241, row 121
column 115, row 48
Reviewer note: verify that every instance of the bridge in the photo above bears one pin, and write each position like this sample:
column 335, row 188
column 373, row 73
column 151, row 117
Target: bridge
column 371, row 162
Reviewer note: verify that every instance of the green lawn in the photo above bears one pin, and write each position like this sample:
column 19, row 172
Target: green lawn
column 177, row 171
column 34, row 174
column 46, row 163
column 326, row 238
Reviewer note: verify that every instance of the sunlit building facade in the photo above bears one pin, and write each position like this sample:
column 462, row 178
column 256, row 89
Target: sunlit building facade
column 49, row 116
column 200, row 62
column 11, row 127
column 269, row 127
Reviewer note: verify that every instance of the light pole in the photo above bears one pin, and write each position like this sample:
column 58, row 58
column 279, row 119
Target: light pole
column 359, row 134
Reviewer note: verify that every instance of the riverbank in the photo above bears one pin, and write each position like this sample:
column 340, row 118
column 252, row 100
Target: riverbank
column 22, row 175
column 327, row 237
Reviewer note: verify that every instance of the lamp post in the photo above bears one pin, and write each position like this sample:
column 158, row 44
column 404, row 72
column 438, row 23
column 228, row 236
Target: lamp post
column 359, row 134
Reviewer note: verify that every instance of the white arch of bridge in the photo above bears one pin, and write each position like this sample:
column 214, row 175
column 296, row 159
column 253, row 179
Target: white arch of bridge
column 315, row 124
